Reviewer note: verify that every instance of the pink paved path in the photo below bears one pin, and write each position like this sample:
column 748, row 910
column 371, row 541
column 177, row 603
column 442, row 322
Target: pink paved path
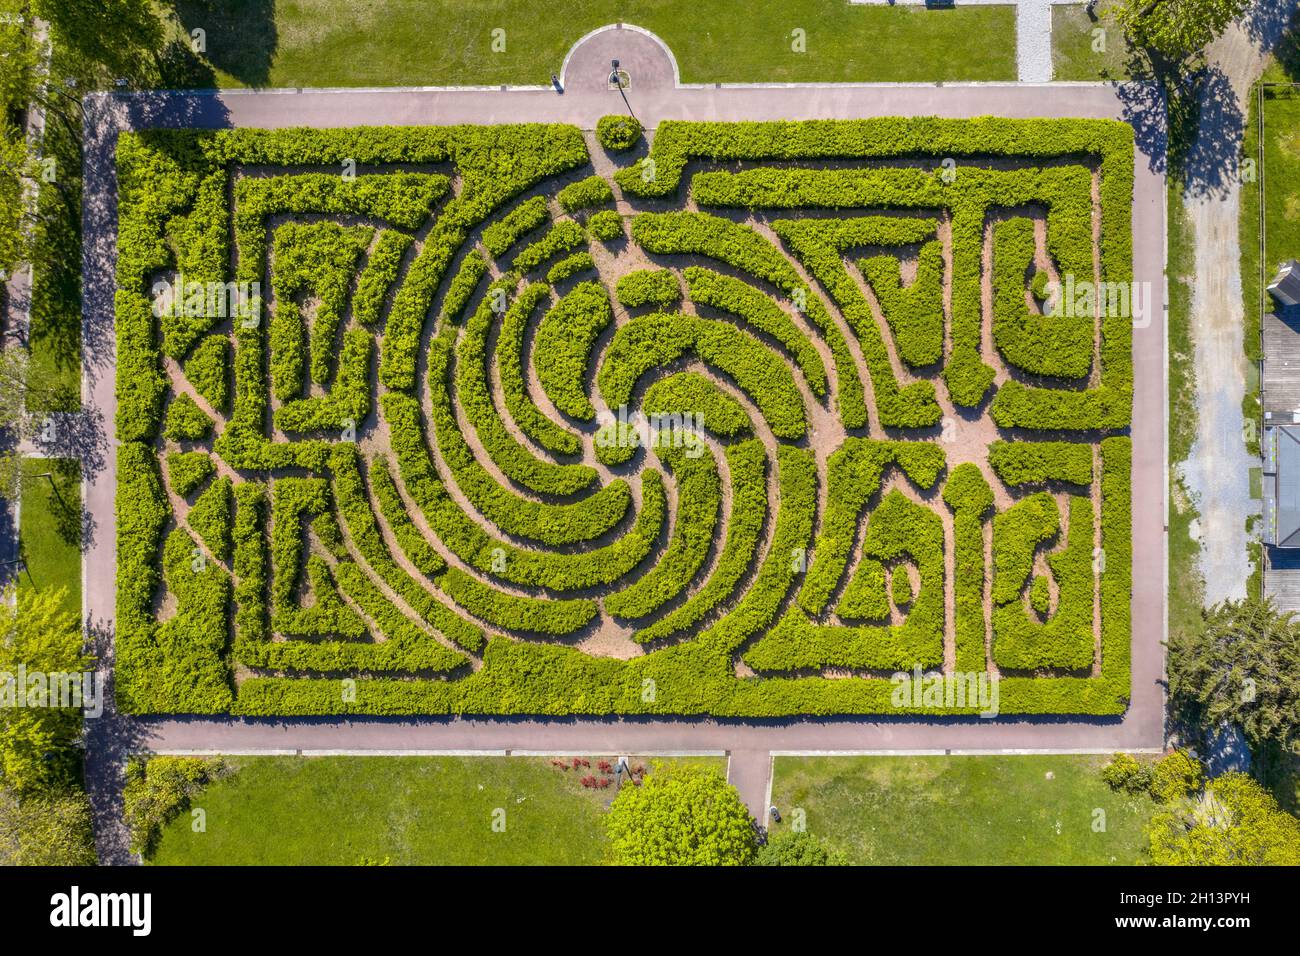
column 654, row 96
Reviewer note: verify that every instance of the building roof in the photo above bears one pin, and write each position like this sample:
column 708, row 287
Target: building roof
column 1281, row 451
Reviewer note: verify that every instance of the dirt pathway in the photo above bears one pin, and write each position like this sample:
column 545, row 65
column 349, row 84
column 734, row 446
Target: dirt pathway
column 1217, row 470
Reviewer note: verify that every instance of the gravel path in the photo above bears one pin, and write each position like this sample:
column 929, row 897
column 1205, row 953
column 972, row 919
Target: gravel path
column 1217, row 470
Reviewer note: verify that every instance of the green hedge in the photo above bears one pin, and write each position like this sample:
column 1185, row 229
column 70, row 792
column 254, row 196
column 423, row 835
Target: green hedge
column 658, row 339
column 569, row 267
column 562, row 349
column 699, row 507
column 474, row 394
column 510, row 371
column 186, row 470
column 969, row 496
column 208, row 370
column 557, row 571
column 648, row 287
column 605, row 225
column 592, row 191
column 379, row 274
column 1026, row 462
column 211, row 517
column 564, row 236
column 737, row 298
column 742, row 248
column 185, row 420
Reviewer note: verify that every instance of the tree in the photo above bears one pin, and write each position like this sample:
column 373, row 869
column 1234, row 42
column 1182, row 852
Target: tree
column 1243, row 669
column 1235, row 822
column 790, row 848
column 46, row 830
column 1171, row 31
column 37, row 737
column 683, row 816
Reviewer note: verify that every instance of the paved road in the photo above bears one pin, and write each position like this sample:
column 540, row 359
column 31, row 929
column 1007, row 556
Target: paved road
column 655, row 95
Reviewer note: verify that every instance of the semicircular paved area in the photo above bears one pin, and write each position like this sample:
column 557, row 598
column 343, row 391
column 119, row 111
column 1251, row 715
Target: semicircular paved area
column 645, row 58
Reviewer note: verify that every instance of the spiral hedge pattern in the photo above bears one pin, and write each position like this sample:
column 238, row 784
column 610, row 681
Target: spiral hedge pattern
column 742, row 428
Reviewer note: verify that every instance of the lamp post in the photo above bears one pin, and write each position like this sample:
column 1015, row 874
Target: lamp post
column 53, row 486
column 617, row 81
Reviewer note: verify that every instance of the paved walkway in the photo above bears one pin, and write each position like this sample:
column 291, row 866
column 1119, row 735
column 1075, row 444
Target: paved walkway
column 655, row 95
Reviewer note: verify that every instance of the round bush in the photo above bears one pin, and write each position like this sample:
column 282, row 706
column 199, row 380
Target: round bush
column 618, row 133
column 1124, row 772
column 684, row 816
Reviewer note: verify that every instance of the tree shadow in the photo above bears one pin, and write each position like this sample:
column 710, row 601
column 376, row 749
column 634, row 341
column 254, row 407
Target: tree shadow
column 239, row 36
column 110, row 740
column 1205, row 102
column 1275, row 25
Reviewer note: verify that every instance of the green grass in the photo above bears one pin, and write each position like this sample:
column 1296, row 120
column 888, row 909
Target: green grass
column 408, row 810
column 49, row 534
column 1073, row 56
column 1279, row 170
column 963, row 810
column 1186, row 589
column 449, row 42
column 55, row 335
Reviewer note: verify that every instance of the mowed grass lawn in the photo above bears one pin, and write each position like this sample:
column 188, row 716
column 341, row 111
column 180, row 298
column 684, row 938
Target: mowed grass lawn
column 1079, row 53
column 49, row 532
column 963, row 810
column 1282, row 176
column 449, row 42
column 407, row 810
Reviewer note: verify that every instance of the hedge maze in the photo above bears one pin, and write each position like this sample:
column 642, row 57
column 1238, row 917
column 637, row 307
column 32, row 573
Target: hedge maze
column 441, row 419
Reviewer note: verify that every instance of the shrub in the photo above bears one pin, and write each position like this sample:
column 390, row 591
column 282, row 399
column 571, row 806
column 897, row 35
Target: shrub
column 208, row 369
column 380, row 272
column 683, row 816
column 1126, row 773
column 592, row 191
column 186, row 470
column 900, row 587
column 648, row 287
column 562, row 237
column 210, row 518
column 1235, row 823
column 618, row 133
column 185, row 420
column 605, row 225
column 798, row 848
column 568, row 268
